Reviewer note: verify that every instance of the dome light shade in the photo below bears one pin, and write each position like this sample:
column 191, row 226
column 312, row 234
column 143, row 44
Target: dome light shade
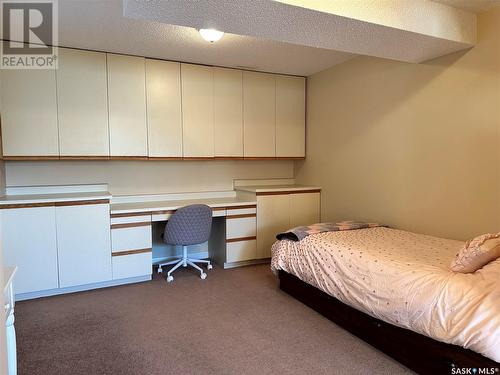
column 211, row 35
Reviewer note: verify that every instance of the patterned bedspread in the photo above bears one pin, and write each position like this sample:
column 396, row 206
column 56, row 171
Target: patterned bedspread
column 299, row 233
column 404, row 279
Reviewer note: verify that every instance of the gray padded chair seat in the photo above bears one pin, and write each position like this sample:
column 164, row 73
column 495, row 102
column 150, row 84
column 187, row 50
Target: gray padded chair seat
column 189, row 225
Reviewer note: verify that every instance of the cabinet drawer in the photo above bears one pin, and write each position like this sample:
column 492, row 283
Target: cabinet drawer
column 116, row 219
column 241, row 211
column 131, row 238
column 241, row 227
column 132, row 265
column 241, row 250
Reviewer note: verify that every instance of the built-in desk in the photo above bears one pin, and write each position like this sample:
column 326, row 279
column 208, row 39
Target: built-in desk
column 135, row 239
column 71, row 238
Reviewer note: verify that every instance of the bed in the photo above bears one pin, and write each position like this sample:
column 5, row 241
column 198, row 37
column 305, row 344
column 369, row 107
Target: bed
column 394, row 289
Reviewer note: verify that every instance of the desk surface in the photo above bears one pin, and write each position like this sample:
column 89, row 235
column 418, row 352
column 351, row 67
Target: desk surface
column 119, row 208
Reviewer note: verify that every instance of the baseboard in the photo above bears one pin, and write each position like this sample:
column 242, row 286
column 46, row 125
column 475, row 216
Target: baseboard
column 81, row 288
column 252, row 262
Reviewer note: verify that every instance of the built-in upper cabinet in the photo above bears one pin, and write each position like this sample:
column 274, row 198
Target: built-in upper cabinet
column 127, row 105
column 29, row 113
column 163, row 90
column 290, row 116
column 197, row 110
column 101, row 105
column 259, row 114
column 228, row 112
column 82, row 103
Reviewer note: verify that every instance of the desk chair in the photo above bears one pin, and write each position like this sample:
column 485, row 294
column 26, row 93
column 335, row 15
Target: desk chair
column 190, row 225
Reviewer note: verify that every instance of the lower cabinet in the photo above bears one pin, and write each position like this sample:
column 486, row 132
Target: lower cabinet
column 131, row 265
column 57, row 246
column 241, row 251
column 83, row 244
column 280, row 212
column 29, row 242
column 273, row 216
column 131, row 244
column 241, row 244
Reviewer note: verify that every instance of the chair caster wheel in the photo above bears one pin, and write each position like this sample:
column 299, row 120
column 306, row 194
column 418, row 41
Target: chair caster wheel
column 160, row 270
column 209, row 267
column 203, row 276
column 170, row 279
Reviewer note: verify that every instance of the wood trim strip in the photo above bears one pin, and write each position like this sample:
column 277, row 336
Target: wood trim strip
column 26, row 205
column 131, row 214
column 145, row 158
column 131, row 225
column 218, row 208
column 81, row 157
column 229, row 158
column 259, row 158
column 81, row 203
column 54, row 204
column 286, row 192
column 165, row 158
column 241, row 216
column 130, row 252
column 229, row 240
column 30, row 157
column 165, row 212
column 128, row 158
column 198, row 158
column 241, row 207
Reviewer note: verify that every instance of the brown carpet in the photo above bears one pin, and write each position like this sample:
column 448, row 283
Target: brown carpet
column 234, row 322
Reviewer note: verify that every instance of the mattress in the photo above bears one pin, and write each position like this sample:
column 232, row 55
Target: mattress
column 404, row 279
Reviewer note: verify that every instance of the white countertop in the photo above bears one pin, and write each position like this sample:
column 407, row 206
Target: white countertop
column 276, row 188
column 53, row 197
column 166, row 205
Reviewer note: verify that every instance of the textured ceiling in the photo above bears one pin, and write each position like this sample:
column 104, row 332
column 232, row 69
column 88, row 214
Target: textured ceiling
column 475, row 6
column 100, row 25
column 411, row 31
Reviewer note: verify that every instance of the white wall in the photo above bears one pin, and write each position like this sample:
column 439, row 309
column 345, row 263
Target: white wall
column 414, row 146
column 146, row 177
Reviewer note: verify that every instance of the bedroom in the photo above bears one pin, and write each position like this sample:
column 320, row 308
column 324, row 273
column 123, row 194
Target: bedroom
column 302, row 112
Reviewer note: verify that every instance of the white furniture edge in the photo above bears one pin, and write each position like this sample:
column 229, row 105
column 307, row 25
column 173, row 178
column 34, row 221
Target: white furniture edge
column 81, row 288
column 9, row 274
column 55, row 189
column 277, row 188
column 228, row 265
column 260, row 182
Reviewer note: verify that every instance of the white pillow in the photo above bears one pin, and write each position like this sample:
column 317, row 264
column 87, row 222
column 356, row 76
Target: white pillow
column 477, row 253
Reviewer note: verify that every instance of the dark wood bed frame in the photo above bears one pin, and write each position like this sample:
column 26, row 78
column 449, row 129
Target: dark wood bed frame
column 419, row 353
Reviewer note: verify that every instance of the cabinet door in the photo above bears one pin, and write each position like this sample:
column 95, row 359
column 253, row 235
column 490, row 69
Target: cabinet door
column 197, row 110
column 163, row 88
column 29, row 113
column 228, row 112
column 273, row 216
column 82, row 100
column 127, row 106
column 259, row 112
column 29, row 242
column 304, row 209
column 290, row 116
column 83, row 243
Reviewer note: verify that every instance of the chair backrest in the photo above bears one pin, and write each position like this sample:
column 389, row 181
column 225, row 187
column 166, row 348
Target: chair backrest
column 189, row 225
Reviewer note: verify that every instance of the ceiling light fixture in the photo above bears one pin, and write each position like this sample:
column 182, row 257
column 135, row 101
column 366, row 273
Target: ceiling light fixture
column 211, row 35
